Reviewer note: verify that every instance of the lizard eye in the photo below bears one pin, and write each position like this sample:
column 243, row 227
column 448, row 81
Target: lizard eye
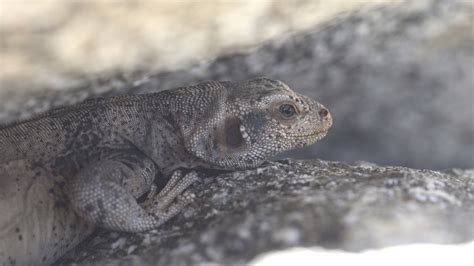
column 287, row 110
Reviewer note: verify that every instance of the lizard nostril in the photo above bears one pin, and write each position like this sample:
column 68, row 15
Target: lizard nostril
column 323, row 112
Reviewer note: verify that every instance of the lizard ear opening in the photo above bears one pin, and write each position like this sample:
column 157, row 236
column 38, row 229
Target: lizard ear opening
column 217, row 143
column 232, row 134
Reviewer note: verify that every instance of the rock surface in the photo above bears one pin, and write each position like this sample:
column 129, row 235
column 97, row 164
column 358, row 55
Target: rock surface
column 51, row 42
column 238, row 215
column 397, row 79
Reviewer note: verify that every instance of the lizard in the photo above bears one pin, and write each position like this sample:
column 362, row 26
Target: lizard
column 68, row 171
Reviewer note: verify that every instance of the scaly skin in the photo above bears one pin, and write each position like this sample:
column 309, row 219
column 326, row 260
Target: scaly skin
column 65, row 172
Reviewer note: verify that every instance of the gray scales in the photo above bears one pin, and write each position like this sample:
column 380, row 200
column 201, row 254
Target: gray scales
column 73, row 169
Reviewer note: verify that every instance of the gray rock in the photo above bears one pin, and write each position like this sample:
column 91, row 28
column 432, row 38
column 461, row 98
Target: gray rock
column 47, row 44
column 238, row 215
column 398, row 80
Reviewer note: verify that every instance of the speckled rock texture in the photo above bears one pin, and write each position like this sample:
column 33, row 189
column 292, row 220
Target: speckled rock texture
column 49, row 42
column 282, row 204
column 397, row 79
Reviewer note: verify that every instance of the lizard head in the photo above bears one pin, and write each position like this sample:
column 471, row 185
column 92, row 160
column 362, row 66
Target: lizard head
column 255, row 120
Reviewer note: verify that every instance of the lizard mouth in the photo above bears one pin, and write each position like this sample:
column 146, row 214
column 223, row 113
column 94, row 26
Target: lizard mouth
column 317, row 135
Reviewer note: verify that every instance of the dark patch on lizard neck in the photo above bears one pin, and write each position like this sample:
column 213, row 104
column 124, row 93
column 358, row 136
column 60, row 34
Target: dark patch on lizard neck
column 233, row 136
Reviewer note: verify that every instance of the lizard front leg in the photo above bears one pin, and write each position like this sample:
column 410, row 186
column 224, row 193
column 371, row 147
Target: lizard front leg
column 104, row 193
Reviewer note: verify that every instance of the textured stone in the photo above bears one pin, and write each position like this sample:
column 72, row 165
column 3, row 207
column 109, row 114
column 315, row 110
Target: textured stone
column 49, row 43
column 283, row 204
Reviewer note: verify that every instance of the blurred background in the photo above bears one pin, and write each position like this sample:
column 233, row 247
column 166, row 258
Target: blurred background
column 46, row 43
column 396, row 75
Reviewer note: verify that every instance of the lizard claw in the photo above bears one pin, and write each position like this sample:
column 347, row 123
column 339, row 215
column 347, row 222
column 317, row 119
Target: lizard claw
column 174, row 189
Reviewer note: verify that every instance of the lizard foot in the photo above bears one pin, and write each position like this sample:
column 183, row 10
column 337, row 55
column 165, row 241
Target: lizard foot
column 161, row 204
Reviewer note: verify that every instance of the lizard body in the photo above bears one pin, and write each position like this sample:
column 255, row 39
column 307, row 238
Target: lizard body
column 70, row 170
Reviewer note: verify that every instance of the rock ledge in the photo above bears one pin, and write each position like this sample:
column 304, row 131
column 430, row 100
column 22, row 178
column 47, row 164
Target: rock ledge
column 239, row 215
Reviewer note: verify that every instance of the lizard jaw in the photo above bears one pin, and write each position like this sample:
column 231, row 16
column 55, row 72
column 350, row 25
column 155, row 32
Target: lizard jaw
column 317, row 135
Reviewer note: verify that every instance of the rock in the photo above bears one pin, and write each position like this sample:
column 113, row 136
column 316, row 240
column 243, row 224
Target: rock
column 238, row 215
column 415, row 254
column 51, row 43
column 397, row 79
